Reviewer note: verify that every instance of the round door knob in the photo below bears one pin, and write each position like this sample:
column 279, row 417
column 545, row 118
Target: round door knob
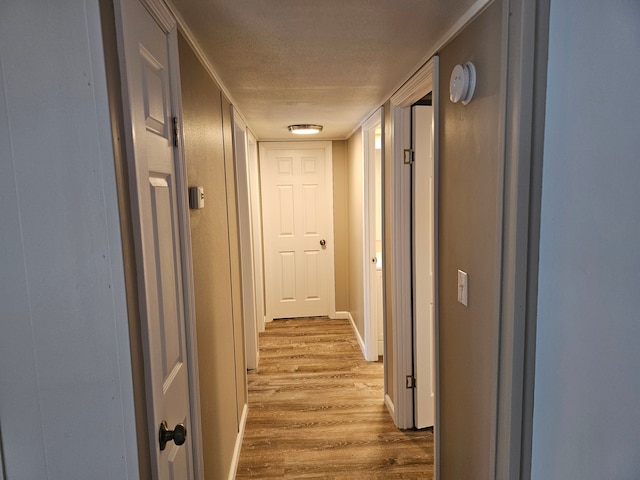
column 323, row 242
column 178, row 434
column 374, row 260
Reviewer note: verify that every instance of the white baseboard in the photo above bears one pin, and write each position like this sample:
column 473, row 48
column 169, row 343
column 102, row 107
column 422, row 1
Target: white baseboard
column 236, row 451
column 357, row 334
column 390, row 406
column 342, row 315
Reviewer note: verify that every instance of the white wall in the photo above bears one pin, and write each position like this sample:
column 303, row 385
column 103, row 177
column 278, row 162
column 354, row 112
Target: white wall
column 587, row 391
column 66, row 402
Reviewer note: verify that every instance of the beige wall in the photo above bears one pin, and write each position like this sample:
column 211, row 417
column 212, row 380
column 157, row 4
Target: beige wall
column 470, row 198
column 356, row 238
column 215, row 263
column 341, row 224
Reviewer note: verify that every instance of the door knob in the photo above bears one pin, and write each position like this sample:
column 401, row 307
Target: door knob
column 178, row 434
column 323, row 242
column 374, row 260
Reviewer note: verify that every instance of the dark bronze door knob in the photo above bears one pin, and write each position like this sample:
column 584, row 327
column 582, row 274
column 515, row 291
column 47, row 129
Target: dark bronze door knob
column 178, row 434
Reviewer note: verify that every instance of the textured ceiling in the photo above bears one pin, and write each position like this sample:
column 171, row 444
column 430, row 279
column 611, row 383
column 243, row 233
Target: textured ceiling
column 315, row 61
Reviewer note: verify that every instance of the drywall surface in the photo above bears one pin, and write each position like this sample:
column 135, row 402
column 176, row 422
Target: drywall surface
column 470, row 222
column 66, row 396
column 216, row 318
column 586, row 415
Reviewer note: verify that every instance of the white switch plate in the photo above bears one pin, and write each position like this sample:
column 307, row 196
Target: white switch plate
column 463, row 288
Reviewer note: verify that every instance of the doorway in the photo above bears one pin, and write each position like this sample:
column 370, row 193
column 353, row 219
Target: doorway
column 414, row 357
column 372, row 262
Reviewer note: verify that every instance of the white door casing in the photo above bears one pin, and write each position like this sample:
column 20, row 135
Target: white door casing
column 372, row 300
column 246, row 241
column 297, row 204
column 402, row 349
column 148, row 53
column 423, row 266
column 256, row 228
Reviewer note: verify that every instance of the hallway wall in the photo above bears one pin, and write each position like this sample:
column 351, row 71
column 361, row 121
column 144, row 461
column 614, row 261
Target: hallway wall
column 65, row 368
column 218, row 315
column 586, row 416
column 356, row 233
column 341, row 223
column 469, row 239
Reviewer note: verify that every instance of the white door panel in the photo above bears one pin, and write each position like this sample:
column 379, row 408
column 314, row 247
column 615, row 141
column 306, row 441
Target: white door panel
column 157, row 232
column 424, row 241
column 297, row 203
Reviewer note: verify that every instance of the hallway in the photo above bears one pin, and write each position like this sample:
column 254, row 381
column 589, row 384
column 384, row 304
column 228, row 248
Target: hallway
column 316, row 410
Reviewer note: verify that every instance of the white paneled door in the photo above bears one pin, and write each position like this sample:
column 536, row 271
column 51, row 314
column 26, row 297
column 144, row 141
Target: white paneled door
column 147, row 60
column 297, row 206
column 424, row 266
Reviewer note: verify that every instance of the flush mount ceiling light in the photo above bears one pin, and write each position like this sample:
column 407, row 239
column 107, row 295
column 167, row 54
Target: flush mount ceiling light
column 305, row 129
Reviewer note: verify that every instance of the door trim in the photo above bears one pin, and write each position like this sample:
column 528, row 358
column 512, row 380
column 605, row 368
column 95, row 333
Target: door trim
column 245, row 237
column 423, row 82
column 371, row 352
column 159, row 12
column 256, row 230
column 524, row 98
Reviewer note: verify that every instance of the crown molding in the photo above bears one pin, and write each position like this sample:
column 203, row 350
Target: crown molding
column 199, row 52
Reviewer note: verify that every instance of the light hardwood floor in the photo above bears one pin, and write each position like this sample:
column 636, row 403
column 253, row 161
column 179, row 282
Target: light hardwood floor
column 316, row 410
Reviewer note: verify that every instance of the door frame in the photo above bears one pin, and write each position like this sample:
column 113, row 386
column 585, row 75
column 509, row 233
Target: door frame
column 371, row 332
column 301, row 145
column 245, row 235
column 424, row 81
column 164, row 18
column 256, row 230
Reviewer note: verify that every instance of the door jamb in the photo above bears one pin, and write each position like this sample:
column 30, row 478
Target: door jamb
column 525, row 38
column 256, row 231
column 368, row 192
column 246, row 242
column 162, row 15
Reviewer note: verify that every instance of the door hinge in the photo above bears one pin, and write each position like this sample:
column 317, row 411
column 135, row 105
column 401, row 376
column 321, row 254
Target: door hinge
column 175, row 131
column 408, row 156
column 410, row 381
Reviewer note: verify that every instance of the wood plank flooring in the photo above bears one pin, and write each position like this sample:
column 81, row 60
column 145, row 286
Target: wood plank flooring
column 316, row 410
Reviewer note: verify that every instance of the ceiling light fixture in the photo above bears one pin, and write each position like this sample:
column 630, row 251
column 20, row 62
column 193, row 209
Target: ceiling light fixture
column 305, row 129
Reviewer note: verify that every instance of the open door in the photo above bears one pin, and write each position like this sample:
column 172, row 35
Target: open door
column 423, row 262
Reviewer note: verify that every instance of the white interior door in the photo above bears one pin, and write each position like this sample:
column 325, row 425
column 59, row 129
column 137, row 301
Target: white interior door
column 157, row 231
column 297, row 206
column 423, row 252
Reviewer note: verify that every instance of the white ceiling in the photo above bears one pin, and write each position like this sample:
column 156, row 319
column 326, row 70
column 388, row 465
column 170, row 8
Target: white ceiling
column 330, row 62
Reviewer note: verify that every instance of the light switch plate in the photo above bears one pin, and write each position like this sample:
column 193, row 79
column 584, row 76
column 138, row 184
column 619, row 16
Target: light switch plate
column 463, row 288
